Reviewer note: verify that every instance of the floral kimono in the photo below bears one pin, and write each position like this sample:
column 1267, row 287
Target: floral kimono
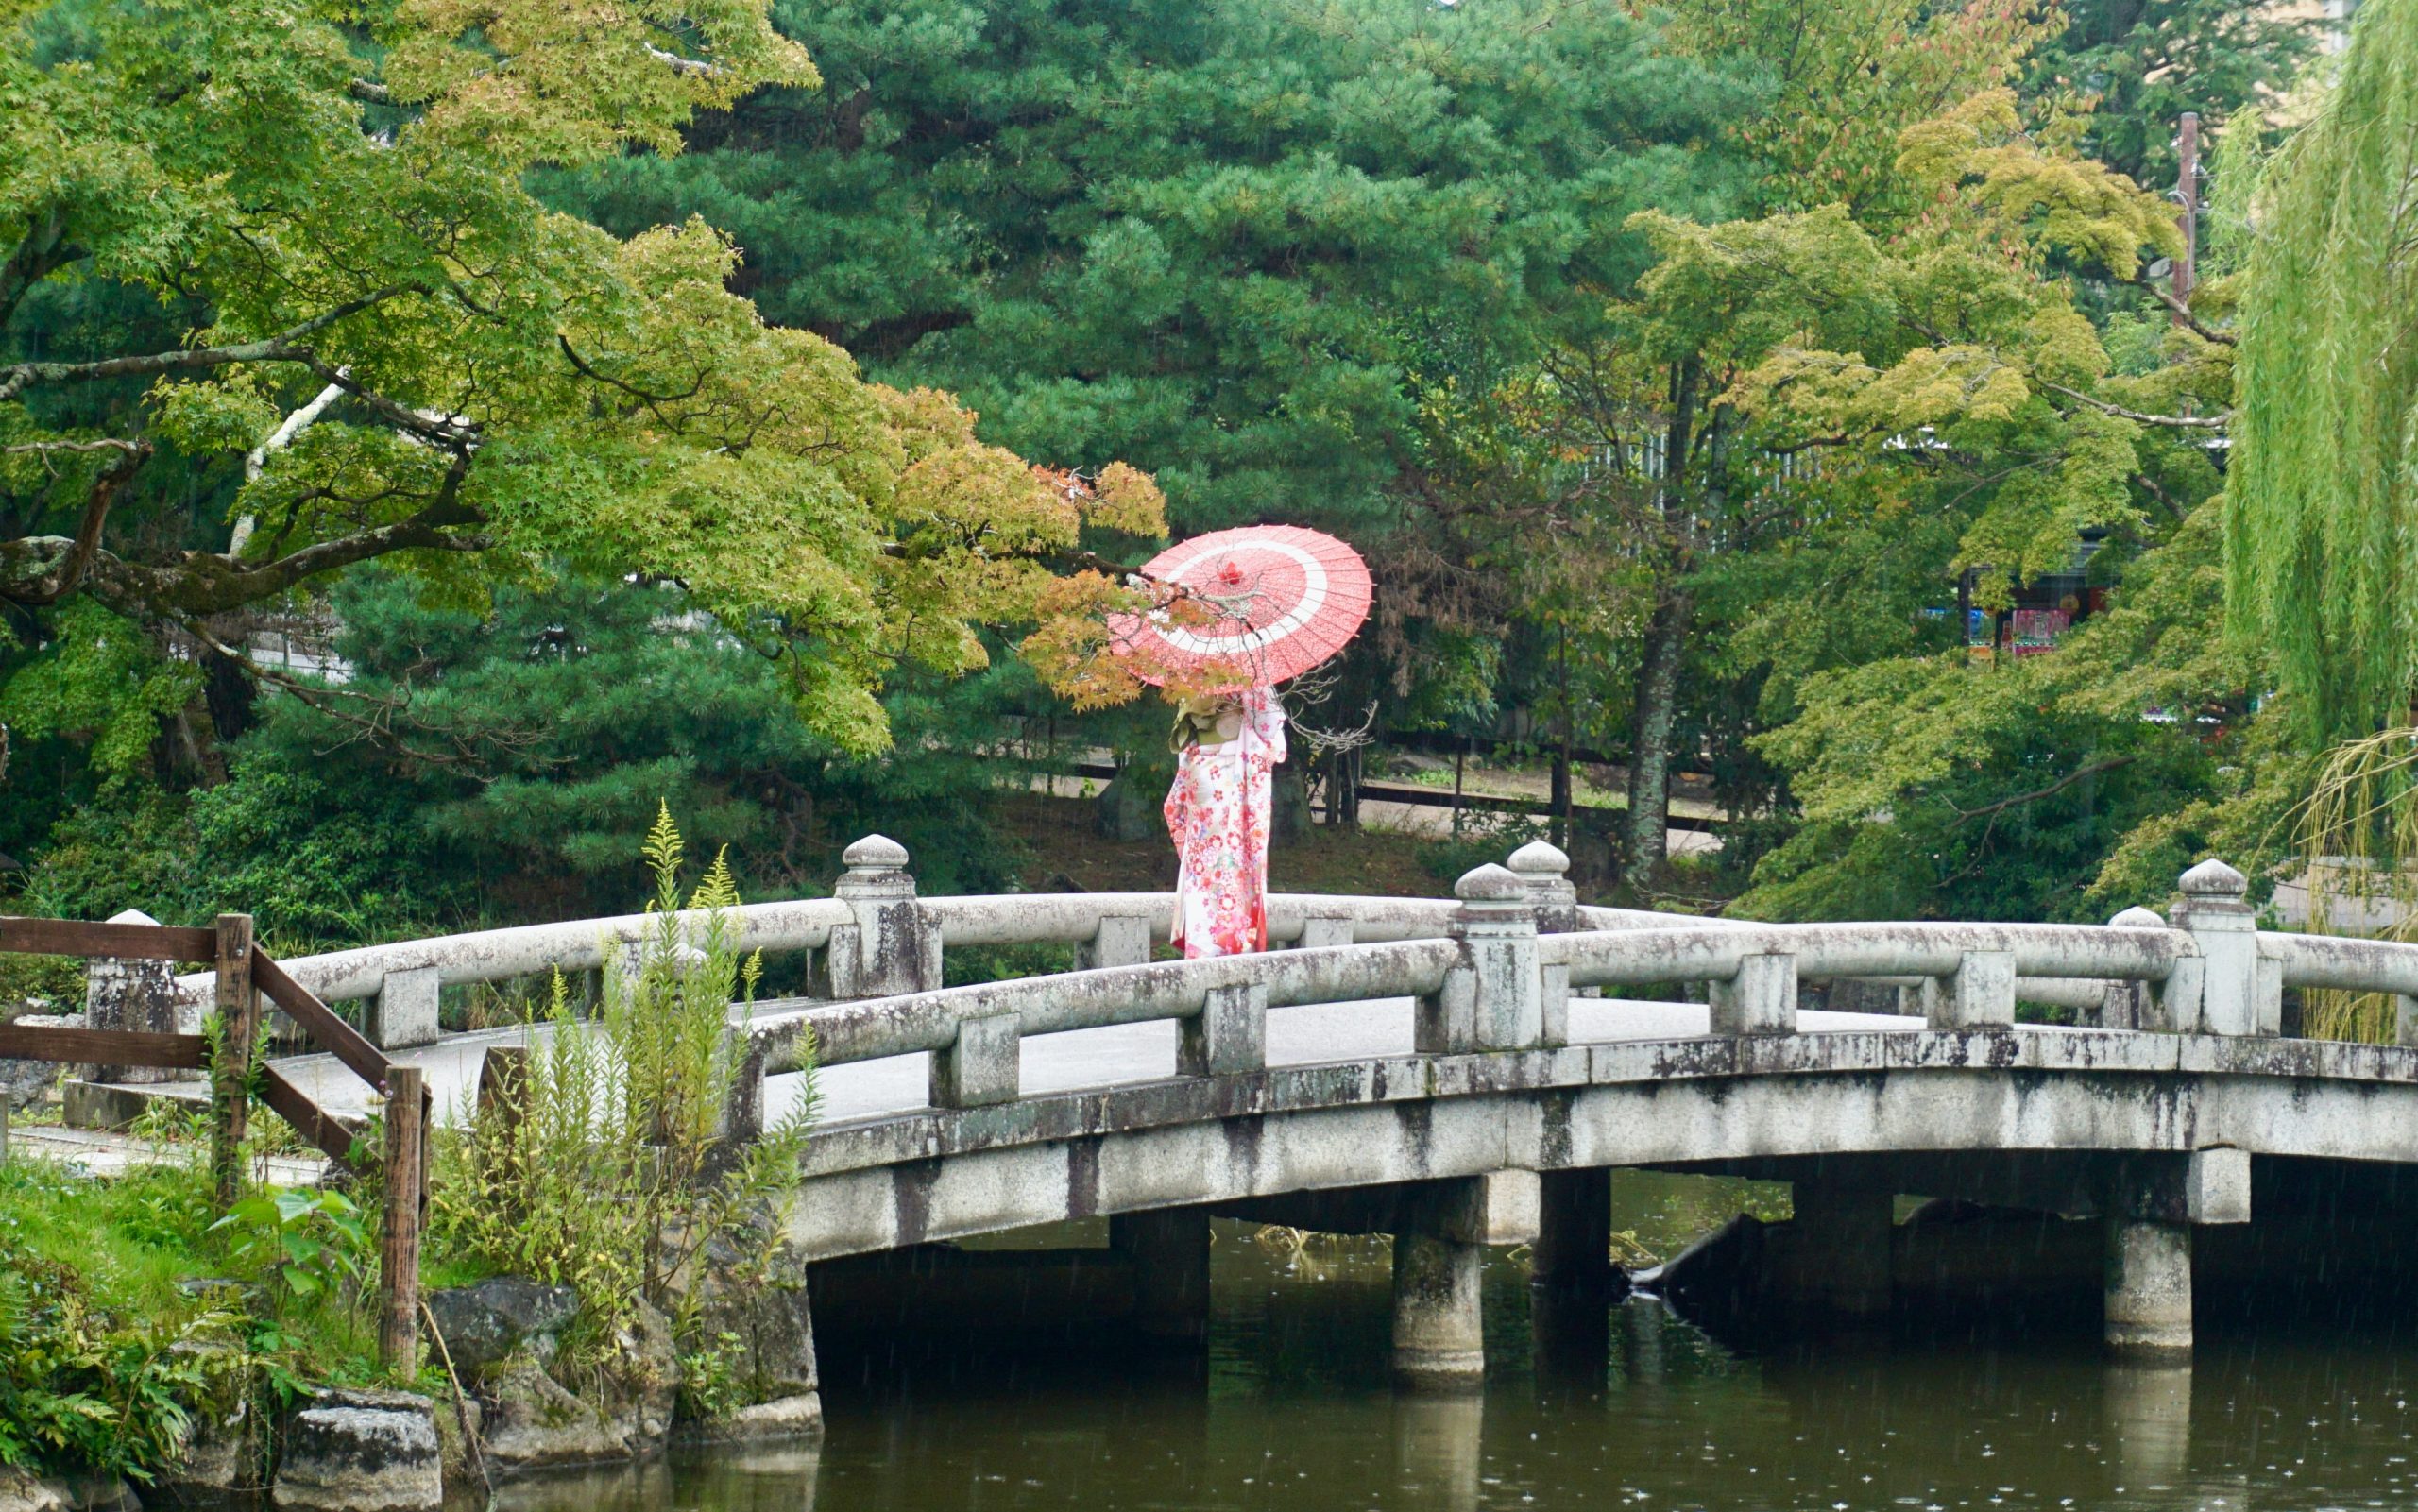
column 1217, row 813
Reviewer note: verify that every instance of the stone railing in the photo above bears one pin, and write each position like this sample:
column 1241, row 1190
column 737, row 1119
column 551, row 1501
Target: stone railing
column 874, row 937
column 1497, row 978
column 876, row 950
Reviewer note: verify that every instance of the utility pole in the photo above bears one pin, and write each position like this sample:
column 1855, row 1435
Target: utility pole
column 2186, row 192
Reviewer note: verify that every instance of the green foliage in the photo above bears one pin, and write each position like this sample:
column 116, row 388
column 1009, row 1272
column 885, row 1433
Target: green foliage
column 312, row 1240
column 100, row 681
column 602, row 1166
column 2065, row 786
column 519, row 758
column 2137, row 66
column 2318, row 532
column 1226, row 241
column 108, row 1350
column 364, row 340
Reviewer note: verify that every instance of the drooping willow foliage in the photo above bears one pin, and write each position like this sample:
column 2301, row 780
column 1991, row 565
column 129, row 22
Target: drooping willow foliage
column 2321, row 500
column 2322, row 497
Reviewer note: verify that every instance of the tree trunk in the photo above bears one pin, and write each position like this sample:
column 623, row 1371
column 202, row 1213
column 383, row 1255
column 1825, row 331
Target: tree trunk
column 1649, row 762
column 1666, row 640
column 1558, row 800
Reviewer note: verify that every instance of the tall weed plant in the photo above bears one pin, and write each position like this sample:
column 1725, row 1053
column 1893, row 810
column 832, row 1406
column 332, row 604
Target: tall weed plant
column 604, row 1162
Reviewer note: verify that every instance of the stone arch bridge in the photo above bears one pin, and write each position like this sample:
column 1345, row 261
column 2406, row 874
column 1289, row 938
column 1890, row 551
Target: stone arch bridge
column 1466, row 1072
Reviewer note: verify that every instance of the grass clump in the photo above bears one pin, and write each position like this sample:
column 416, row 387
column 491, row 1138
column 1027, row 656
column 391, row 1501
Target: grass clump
column 605, row 1163
column 127, row 1311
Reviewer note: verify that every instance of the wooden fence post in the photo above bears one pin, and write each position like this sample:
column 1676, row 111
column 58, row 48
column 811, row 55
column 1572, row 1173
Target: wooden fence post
column 230, row 1077
column 399, row 1242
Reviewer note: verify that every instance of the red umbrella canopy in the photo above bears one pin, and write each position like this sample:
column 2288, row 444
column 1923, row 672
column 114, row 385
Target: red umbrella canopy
column 1278, row 601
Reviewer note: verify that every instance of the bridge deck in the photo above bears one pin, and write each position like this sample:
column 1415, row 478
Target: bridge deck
column 1312, row 1034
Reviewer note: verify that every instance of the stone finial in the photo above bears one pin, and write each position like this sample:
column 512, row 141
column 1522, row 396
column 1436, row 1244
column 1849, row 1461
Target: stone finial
column 1540, row 860
column 1491, row 884
column 2138, row 918
column 2213, row 878
column 132, row 916
column 876, row 853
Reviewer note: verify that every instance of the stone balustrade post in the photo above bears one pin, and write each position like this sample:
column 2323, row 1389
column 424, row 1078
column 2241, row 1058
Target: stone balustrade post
column 1980, row 995
column 404, row 1013
column 1121, row 940
column 138, row 995
column 890, row 945
column 984, row 1065
column 1491, row 998
column 1760, row 1000
column 1321, row 930
column 2132, row 1005
column 2239, row 993
column 1545, row 869
column 1229, row 1036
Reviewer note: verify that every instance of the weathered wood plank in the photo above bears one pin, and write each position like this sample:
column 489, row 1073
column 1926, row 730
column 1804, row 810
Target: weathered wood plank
column 398, row 1238
column 309, row 1119
column 128, row 941
column 106, row 1048
column 329, row 1031
column 239, row 1012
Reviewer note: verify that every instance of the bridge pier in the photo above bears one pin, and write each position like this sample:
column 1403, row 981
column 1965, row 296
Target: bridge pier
column 1842, row 1264
column 1170, row 1249
column 1439, row 1342
column 1573, row 1247
column 1440, row 1251
column 1574, row 1280
column 2148, row 1288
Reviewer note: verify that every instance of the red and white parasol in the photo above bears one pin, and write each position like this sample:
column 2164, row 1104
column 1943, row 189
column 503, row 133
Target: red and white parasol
column 1283, row 599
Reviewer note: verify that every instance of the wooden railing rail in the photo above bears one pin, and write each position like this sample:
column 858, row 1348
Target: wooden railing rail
column 243, row 975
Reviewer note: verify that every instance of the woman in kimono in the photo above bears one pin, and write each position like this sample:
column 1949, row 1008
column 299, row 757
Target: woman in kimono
column 1218, row 814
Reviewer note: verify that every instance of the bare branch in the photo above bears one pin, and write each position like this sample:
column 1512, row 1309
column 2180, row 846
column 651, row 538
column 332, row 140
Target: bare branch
column 2182, row 311
column 2089, row 769
column 691, row 67
column 452, row 431
column 53, row 569
column 110, row 444
column 2180, row 423
column 256, row 461
column 369, row 92
column 631, row 389
column 280, row 348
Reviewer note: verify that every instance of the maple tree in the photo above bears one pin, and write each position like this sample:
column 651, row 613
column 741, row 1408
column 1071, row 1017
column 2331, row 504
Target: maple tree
column 349, row 328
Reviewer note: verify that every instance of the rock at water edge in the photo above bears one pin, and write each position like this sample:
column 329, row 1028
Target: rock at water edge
column 361, row 1452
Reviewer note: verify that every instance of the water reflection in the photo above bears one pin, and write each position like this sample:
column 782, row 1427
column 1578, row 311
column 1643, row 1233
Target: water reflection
column 1436, row 1450
column 2149, row 1423
column 1294, row 1414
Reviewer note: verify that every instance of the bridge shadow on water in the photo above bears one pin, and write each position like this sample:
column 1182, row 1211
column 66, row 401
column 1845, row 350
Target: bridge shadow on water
column 1287, row 1405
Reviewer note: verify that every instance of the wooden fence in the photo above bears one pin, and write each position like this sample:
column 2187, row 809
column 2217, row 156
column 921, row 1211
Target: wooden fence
column 246, row 974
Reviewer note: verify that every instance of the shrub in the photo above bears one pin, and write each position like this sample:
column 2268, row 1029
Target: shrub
column 603, row 1164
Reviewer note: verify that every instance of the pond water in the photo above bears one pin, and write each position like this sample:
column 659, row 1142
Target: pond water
column 1291, row 1411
